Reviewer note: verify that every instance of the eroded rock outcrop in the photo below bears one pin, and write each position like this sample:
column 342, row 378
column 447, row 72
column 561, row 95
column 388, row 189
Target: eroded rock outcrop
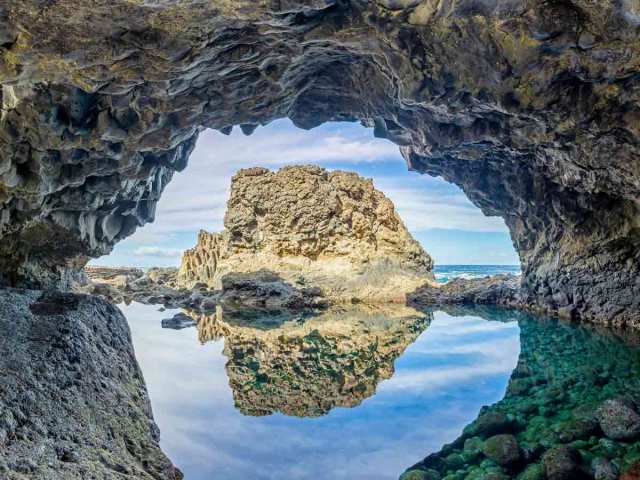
column 314, row 228
column 306, row 367
column 531, row 106
column 73, row 403
column 501, row 289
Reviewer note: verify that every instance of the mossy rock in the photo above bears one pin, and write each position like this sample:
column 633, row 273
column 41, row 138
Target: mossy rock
column 455, row 461
column 535, row 471
column 420, row 475
column 502, row 449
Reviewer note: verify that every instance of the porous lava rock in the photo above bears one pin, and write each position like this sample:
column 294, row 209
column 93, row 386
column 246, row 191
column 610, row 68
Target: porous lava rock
column 73, row 403
column 530, row 106
column 314, row 228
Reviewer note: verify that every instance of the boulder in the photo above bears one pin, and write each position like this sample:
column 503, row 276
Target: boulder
column 68, row 375
column 562, row 463
column 178, row 322
column 502, row 449
column 618, row 419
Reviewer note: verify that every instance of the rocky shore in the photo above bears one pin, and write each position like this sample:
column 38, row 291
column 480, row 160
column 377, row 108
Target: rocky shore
column 73, row 403
column 570, row 412
column 260, row 291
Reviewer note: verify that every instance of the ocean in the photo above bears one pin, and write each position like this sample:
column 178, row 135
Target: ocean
column 444, row 273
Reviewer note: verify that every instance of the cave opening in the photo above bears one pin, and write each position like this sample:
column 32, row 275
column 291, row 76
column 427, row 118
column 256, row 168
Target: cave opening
column 437, row 213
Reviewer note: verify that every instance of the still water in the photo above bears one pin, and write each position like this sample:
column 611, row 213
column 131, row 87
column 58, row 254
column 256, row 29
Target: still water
column 356, row 394
column 364, row 393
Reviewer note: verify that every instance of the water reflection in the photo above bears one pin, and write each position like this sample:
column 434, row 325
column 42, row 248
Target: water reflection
column 564, row 374
column 306, row 366
column 313, row 366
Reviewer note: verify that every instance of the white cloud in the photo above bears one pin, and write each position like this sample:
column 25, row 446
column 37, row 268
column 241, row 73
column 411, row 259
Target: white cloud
column 423, row 205
column 157, row 252
column 277, row 146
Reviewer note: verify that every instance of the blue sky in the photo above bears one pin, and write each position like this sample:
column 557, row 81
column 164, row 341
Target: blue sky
column 438, row 214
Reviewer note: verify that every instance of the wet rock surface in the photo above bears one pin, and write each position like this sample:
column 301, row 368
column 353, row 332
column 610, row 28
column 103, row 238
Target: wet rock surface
column 619, row 419
column 330, row 231
column 178, row 322
column 531, row 107
column 568, row 412
column 68, row 373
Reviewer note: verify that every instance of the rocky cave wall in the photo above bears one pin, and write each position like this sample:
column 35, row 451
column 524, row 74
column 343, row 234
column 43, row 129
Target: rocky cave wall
column 531, row 106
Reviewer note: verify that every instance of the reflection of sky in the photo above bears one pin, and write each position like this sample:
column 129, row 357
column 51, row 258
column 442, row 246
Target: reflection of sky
column 456, row 366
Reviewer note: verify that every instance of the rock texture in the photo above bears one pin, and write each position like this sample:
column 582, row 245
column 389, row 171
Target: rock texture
column 490, row 290
column 305, row 369
column 259, row 292
column 73, row 403
column 329, row 230
column 531, row 106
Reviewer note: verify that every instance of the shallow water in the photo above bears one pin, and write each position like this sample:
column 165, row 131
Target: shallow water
column 365, row 393
column 454, row 366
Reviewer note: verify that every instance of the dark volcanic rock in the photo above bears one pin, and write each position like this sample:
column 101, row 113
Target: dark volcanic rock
column 532, row 108
column 493, row 290
column 267, row 290
column 68, row 375
column 502, row 449
column 562, row 463
column 178, row 322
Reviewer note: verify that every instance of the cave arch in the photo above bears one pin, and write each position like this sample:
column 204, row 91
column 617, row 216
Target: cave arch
column 530, row 106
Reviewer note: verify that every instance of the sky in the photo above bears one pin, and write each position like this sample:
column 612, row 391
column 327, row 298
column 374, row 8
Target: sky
column 438, row 214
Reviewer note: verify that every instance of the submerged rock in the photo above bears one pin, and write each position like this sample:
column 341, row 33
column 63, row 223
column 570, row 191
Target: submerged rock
column 502, row 449
column 313, row 228
column 566, row 379
column 73, row 403
column 618, row 419
column 562, row 463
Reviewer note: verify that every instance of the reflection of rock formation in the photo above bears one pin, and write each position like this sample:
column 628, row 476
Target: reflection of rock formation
column 306, row 368
column 551, row 408
column 331, row 230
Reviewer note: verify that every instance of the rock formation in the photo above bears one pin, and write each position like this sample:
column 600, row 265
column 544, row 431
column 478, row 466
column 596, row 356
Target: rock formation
column 530, row 106
column 503, row 289
column 307, row 368
column 73, row 404
column 331, row 230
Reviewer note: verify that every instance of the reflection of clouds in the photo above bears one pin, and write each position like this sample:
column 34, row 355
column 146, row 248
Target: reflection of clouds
column 207, row 437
